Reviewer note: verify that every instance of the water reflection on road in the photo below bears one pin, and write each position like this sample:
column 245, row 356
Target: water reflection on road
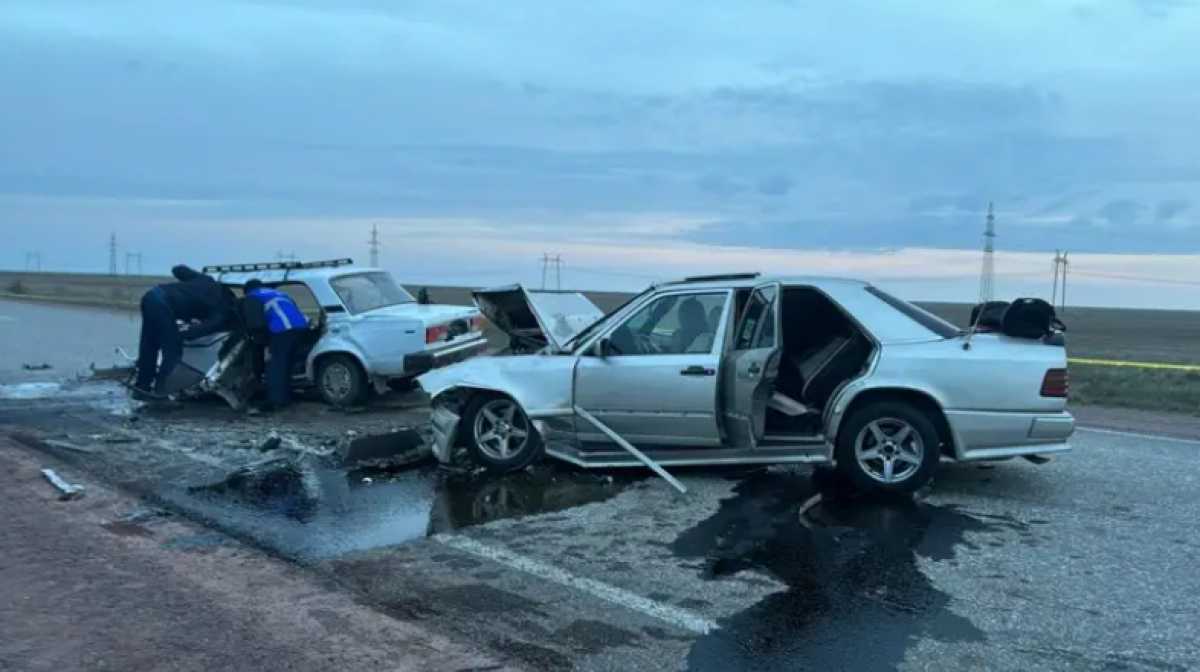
column 308, row 511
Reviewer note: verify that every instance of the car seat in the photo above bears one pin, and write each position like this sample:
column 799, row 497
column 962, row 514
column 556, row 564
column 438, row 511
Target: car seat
column 692, row 325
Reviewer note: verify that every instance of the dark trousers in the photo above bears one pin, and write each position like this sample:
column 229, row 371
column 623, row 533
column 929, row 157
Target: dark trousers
column 159, row 334
column 279, row 368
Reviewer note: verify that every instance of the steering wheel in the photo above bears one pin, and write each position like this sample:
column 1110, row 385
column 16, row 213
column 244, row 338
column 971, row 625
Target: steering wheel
column 646, row 345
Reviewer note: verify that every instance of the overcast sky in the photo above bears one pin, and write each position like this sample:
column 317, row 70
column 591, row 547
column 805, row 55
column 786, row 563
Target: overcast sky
column 638, row 139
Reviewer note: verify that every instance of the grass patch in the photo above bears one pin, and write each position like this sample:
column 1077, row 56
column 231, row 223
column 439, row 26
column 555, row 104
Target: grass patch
column 1148, row 389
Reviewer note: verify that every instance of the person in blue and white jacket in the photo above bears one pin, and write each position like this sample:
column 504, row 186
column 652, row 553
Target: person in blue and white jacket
column 285, row 324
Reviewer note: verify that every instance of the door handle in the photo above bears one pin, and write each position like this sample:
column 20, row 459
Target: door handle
column 754, row 369
column 698, row 371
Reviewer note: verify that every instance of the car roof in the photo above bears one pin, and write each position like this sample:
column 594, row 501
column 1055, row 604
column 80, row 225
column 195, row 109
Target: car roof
column 754, row 280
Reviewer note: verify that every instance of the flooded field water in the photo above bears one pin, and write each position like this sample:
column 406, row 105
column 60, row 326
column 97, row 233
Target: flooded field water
column 68, row 338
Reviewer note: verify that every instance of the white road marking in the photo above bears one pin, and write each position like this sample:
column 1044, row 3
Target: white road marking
column 1137, row 435
column 680, row 618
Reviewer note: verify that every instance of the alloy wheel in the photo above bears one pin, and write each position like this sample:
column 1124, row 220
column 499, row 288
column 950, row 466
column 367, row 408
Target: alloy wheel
column 501, row 429
column 889, row 450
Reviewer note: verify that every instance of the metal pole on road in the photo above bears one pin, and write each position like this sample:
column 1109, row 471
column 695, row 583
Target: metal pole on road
column 632, row 451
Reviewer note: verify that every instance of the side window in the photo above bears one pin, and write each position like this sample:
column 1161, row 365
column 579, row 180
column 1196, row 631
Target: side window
column 677, row 324
column 305, row 300
column 757, row 328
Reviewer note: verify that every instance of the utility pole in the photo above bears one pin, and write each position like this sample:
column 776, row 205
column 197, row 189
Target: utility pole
column 112, row 254
column 987, row 277
column 1061, row 265
column 1066, row 265
column 375, row 245
column 131, row 257
column 33, row 261
column 547, row 262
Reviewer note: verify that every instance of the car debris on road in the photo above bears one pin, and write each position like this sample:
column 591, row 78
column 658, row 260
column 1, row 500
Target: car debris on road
column 67, row 491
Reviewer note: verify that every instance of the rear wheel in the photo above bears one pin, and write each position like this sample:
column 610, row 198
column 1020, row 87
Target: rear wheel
column 888, row 446
column 342, row 381
column 500, row 435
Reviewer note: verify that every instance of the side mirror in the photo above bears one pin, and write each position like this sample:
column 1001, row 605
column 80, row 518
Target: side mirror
column 602, row 349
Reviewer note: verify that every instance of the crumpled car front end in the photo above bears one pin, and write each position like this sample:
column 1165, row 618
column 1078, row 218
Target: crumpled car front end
column 540, row 384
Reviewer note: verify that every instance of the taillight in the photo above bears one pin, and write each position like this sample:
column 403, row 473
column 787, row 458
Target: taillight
column 477, row 323
column 1057, row 383
column 436, row 333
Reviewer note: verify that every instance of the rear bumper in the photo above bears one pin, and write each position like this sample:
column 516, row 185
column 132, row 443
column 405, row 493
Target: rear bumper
column 985, row 435
column 421, row 362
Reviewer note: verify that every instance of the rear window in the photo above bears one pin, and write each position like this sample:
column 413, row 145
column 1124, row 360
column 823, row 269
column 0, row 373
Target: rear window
column 922, row 317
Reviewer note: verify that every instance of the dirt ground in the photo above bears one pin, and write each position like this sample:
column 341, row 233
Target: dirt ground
column 102, row 583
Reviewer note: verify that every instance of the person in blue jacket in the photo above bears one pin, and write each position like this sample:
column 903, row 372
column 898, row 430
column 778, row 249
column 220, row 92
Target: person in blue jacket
column 194, row 298
column 285, row 324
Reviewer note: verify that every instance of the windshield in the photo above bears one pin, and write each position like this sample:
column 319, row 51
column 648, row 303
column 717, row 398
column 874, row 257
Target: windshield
column 365, row 292
column 587, row 331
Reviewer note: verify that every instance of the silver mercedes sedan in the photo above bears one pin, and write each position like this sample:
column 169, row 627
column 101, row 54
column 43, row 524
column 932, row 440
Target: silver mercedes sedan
column 746, row 369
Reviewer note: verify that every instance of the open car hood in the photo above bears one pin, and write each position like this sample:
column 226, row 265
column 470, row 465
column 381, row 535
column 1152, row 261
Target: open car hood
column 537, row 318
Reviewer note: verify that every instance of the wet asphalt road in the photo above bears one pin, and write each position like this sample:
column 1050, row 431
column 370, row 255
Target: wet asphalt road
column 1088, row 562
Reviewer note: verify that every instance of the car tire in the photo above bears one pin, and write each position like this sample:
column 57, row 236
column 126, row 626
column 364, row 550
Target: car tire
column 499, row 435
column 888, row 446
column 342, row 381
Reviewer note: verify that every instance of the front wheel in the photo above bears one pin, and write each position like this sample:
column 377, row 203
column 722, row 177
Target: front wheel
column 888, row 446
column 500, row 435
column 342, row 381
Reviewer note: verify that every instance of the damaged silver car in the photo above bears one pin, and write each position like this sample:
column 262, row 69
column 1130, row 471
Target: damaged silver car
column 743, row 369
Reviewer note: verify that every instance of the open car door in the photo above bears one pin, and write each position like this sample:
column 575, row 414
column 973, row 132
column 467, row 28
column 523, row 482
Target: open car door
column 750, row 368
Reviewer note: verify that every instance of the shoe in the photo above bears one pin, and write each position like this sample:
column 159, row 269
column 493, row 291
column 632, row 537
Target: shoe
column 142, row 394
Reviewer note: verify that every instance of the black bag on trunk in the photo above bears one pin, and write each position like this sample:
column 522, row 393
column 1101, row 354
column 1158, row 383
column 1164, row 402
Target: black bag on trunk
column 1031, row 318
column 989, row 316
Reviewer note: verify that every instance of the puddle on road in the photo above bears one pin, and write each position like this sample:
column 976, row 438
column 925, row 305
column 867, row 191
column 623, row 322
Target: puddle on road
column 309, row 511
column 855, row 597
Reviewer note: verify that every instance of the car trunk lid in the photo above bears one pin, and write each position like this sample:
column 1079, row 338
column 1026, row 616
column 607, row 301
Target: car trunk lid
column 536, row 318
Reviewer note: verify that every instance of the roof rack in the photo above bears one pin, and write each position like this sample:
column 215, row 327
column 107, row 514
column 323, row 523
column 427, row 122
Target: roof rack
column 277, row 266
column 726, row 276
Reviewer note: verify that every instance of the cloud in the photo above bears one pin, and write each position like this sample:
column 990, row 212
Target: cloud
column 1121, row 213
column 660, row 122
column 775, row 185
column 1168, row 210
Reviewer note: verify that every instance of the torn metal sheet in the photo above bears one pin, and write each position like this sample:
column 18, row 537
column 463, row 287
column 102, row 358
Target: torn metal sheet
column 66, row 490
column 400, row 446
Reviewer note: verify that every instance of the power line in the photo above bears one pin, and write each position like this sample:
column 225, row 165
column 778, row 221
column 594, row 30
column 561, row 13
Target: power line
column 1139, row 278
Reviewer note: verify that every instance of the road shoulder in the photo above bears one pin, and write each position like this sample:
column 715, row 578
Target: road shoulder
column 100, row 582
